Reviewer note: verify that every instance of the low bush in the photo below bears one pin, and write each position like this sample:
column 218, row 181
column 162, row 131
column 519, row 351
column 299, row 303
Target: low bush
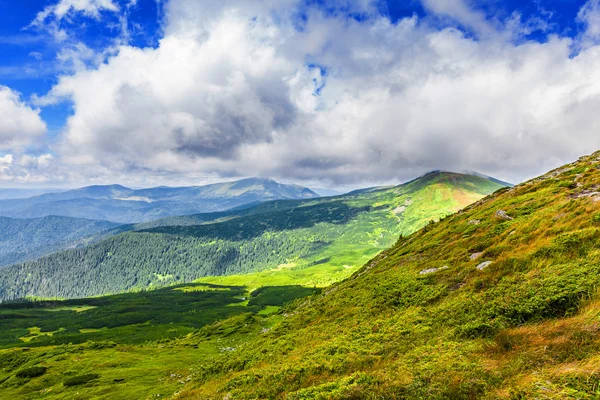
column 80, row 379
column 32, row 372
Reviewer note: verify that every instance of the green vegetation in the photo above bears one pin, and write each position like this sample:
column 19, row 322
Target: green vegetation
column 31, row 372
column 25, row 239
column 481, row 304
column 497, row 301
column 80, row 379
column 134, row 318
column 127, row 346
column 311, row 242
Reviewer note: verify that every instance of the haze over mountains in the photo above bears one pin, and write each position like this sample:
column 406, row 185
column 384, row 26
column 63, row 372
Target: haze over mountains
column 117, row 203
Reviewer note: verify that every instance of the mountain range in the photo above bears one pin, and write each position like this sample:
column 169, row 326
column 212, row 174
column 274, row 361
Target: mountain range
column 320, row 240
column 120, row 204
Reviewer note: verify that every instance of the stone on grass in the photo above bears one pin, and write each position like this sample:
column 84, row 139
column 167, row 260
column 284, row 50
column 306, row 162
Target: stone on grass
column 503, row 215
column 483, row 265
column 432, row 270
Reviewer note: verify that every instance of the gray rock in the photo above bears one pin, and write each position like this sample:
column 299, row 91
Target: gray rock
column 503, row 215
column 432, row 270
column 399, row 210
column 474, row 222
column 475, row 256
column 483, row 265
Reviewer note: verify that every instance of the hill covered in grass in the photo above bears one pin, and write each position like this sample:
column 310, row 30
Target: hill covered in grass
column 497, row 301
column 310, row 242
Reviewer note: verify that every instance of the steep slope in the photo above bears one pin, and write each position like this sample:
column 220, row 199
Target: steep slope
column 120, row 204
column 25, row 239
column 497, row 301
column 314, row 242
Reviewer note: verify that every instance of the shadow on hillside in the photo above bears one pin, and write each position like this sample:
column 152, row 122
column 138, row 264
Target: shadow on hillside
column 133, row 318
column 251, row 226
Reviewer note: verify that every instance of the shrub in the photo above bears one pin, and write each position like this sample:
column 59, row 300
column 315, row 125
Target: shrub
column 32, row 372
column 80, row 379
column 476, row 329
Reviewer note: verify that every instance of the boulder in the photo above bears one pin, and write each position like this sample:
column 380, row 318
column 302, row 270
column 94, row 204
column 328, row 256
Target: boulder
column 483, row 265
column 501, row 214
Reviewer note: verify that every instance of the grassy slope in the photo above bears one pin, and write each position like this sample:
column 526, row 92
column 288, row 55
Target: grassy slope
column 527, row 326
column 148, row 344
column 524, row 327
column 314, row 243
column 428, row 198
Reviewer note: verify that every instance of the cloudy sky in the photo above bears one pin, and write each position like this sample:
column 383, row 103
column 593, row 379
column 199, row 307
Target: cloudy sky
column 339, row 93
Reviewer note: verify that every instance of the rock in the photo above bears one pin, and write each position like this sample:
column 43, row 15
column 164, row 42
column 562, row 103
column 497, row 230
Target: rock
column 432, row 270
column 474, row 222
column 399, row 210
column 503, row 215
column 588, row 193
column 483, row 265
column 475, row 256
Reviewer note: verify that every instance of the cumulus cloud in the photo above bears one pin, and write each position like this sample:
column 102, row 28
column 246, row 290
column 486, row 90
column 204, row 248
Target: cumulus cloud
column 589, row 15
column 20, row 124
column 64, row 8
column 240, row 88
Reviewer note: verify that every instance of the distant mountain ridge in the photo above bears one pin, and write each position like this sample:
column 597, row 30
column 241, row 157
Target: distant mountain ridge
column 118, row 203
column 331, row 236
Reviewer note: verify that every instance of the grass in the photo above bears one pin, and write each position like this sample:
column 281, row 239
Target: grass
column 154, row 354
column 200, row 340
column 524, row 327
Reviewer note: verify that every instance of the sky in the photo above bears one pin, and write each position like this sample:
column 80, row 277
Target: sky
column 338, row 94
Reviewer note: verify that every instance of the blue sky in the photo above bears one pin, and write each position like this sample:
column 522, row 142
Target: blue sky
column 302, row 70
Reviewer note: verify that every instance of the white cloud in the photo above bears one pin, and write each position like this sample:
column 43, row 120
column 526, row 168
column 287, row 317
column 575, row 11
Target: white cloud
column 232, row 90
column 20, row 125
column 461, row 12
column 590, row 16
column 64, row 8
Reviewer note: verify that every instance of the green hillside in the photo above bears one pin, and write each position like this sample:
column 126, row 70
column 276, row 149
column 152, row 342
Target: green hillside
column 497, row 301
column 24, row 239
column 311, row 242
